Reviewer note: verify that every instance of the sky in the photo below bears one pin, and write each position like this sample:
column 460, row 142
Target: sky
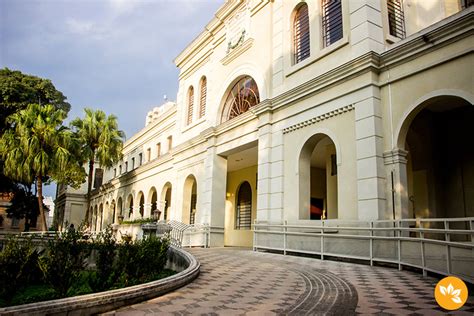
column 113, row 55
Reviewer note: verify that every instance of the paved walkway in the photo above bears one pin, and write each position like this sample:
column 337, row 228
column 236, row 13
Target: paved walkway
column 236, row 281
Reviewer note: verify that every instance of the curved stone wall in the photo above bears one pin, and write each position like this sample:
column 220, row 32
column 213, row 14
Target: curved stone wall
column 178, row 260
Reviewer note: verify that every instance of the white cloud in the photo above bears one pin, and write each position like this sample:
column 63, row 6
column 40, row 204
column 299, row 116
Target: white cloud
column 123, row 6
column 80, row 27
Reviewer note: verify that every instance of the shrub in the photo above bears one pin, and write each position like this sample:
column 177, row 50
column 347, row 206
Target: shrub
column 19, row 266
column 105, row 247
column 64, row 259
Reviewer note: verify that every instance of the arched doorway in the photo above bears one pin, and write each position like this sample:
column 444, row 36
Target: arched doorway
column 318, row 191
column 153, row 201
column 243, row 209
column 130, row 207
column 100, row 217
column 141, row 204
column 113, row 211
column 94, row 219
column 120, row 209
column 166, row 200
column 439, row 143
column 189, row 200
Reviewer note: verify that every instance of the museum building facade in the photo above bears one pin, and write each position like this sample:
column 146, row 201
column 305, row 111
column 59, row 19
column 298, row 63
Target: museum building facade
column 302, row 111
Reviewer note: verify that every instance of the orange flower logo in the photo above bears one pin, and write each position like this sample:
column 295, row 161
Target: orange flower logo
column 451, row 293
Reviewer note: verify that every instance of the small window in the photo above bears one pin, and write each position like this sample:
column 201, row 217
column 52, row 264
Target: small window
column 202, row 100
column 126, row 166
column 466, row 3
column 170, row 142
column 396, row 18
column 158, row 150
column 189, row 117
column 301, row 41
column 148, row 154
column 244, row 207
column 120, row 169
column 115, row 172
column 140, row 159
column 133, row 163
column 332, row 21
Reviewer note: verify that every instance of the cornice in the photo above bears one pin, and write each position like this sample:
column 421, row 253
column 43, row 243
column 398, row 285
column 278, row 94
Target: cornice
column 362, row 64
column 451, row 29
column 318, row 118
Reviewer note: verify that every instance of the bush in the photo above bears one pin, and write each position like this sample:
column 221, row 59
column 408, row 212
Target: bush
column 105, row 247
column 19, row 266
column 64, row 259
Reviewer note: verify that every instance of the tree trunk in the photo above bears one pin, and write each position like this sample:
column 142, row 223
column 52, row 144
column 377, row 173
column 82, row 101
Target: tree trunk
column 89, row 189
column 39, row 182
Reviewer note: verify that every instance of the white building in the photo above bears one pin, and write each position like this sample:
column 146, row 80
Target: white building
column 289, row 111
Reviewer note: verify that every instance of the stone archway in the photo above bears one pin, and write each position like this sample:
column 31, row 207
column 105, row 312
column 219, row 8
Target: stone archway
column 434, row 169
column 165, row 201
column 189, row 200
column 318, row 179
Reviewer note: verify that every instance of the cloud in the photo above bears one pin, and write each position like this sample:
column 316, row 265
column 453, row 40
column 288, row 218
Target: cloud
column 123, row 6
column 80, row 27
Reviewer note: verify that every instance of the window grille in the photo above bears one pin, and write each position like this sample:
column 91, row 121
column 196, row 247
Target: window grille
column 243, row 95
column 396, row 18
column 301, row 41
column 192, row 210
column 190, row 105
column 332, row 21
column 202, row 103
column 244, row 207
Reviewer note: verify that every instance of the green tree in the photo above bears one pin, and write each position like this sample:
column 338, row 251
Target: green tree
column 101, row 141
column 17, row 90
column 38, row 146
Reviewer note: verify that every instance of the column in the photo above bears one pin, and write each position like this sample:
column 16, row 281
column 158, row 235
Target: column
column 397, row 183
column 370, row 164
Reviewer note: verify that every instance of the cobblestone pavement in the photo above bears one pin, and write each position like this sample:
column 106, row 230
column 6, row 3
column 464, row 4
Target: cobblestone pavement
column 237, row 281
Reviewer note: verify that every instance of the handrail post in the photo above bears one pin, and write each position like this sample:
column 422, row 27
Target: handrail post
column 285, row 230
column 255, row 235
column 423, row 259
column 322, row 239
column 447, row 238
column 371, row 243
column 399, row 243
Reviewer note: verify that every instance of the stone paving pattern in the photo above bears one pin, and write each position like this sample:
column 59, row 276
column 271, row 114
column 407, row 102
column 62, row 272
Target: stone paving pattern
column 242, row 282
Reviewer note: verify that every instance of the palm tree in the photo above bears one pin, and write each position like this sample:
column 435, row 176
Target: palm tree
column 37, row 147
column 101, row 141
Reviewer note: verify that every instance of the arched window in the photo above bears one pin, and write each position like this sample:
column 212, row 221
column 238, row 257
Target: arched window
column 332, row 21
column 396, row 18
column 301, row 42
column 244, row 207
column 142, row 205
column 202, row 100
column 243, row 95
column 130, row 208
column 189, row 117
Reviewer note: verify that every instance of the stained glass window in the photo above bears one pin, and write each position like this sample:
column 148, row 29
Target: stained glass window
column 243, row 95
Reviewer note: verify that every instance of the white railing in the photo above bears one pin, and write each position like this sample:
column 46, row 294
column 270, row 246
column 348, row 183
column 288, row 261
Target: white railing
column 443, row 246
column 197, row 235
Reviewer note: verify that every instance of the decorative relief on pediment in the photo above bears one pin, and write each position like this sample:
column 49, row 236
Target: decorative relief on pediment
column 237, row 28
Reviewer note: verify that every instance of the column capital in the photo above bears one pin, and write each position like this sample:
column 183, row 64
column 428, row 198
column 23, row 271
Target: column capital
column 395, row 156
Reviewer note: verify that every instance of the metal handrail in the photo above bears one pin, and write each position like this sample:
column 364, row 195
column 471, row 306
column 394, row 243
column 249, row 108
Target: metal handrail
column 397, row 232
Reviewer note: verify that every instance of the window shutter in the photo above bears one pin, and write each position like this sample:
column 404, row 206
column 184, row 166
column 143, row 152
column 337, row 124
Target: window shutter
column 202, row 105
column 396, row 18
column 190, row 105
column 301, row 34
column 332, row 21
